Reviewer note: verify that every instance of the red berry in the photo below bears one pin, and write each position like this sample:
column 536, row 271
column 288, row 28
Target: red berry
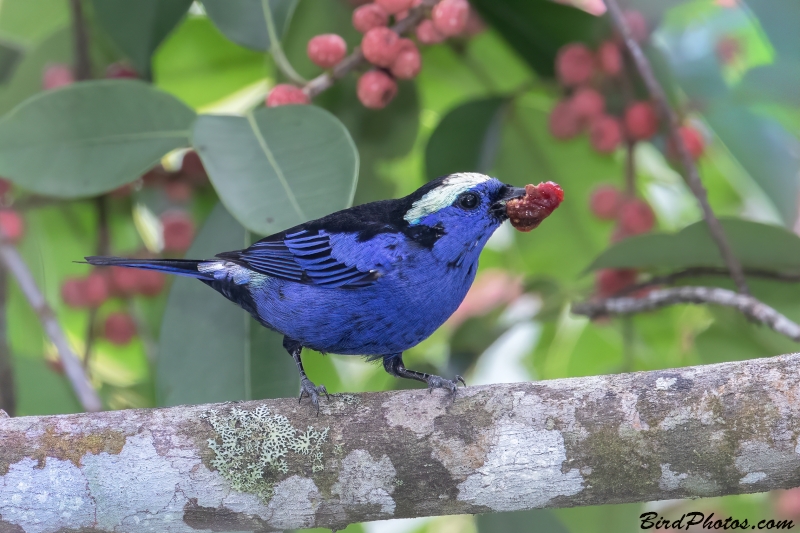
column 641, row 121
column 574, row 64
column 605, row 134
column 285, row 94
column 400, row 15
column 563, row 122
column 427, row 33
column 178, row 191
column 120, row 70
column 72, row 292
column 178, row 231
column 610, row 281
column 95, row 288
column 693, row 140
column 636, row 217
column 191, row 163
column 610, row 58
column 119, row 328
column 380, row 46
column 12, row 225
column 587, row 103
column 376, row 89
column 728, row 49
column 450, row 16
column 394, row 6
column 150, row 282
column 408, row 62
column 369, row 16
column 58, row 75
column 638, row 25
column 5, row 186
column 326, row 50
column 124, row 281
column 605, row 202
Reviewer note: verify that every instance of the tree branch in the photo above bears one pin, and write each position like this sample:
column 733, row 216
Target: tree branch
column 691, row 176
column 86, row 394
column 752, row 308
column 696, row 272
column 355, row 60
column 271, row 465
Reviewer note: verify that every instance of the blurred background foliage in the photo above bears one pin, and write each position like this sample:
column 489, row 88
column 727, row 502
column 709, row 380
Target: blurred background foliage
column 109, row 157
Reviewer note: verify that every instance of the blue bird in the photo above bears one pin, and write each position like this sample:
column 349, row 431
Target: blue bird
column 374, row 280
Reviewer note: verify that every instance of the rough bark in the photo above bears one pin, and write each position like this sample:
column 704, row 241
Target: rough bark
column 272, row 465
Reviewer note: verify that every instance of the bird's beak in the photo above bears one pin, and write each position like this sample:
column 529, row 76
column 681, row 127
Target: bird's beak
column 511, row 192
column 508, row 193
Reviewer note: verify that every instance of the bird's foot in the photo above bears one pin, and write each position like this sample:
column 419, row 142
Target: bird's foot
column 438, row 382
column 312, row 391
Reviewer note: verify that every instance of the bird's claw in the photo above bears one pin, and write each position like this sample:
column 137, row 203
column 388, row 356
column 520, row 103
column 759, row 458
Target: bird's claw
column 312, row 391
column 438, row 382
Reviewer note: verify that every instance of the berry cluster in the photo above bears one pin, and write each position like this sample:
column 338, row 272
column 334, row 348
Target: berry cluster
column 392, row 56
column 588, row 78
column 633, row 216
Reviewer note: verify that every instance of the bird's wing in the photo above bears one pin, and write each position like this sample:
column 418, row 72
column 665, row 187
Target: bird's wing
column 302, row 256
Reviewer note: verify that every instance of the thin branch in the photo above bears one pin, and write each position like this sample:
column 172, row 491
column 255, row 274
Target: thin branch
column 13, row 261
column 749, row 306
column 355, row 60
column 696, row 272
column 8, row 398
column 80, row 35
column 691, row 174
column 102, row 249
column 273, row 465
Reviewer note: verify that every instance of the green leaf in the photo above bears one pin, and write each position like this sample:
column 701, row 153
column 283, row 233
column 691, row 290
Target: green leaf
column 533, row 521
column 199, row 65
column 10, row 56
column 466, row 139
column 769, row 153
column 210, row 350
column 278, row 167
column 139, row 27
column 26, row 21
column 756, row 245
column 27, row 78
column 779, row 20
column 90, row 137
column 245, row 21
column 538, row 28
column 779, row 82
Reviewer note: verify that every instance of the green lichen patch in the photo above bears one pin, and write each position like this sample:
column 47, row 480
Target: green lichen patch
column 64, row 446
column 251, row 448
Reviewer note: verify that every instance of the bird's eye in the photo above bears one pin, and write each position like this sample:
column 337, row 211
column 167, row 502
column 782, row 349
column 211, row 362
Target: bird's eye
column 468, row 200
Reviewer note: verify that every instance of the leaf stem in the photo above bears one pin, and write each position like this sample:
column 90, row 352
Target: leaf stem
column 276, row 49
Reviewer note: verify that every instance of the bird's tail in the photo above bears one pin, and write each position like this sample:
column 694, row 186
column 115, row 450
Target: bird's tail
column 179, row 267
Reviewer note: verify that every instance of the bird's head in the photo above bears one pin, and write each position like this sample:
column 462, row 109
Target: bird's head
column 464, row 208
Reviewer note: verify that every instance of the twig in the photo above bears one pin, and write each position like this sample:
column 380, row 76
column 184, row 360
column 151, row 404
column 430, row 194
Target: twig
column 324, row 81
column 8, row 398
column 102, row 249
column 13, row 261
column 691, row 176
column 694, row 272
column 630, row 168
column 83, row 64
column 747, row 305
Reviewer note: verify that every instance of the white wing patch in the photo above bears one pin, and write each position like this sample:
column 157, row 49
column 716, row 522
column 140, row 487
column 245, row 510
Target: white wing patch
column 443, row 195
column 225, row 269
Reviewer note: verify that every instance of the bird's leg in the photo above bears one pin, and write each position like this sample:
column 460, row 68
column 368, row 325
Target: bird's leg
column 393, row 364
column 306, row 386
